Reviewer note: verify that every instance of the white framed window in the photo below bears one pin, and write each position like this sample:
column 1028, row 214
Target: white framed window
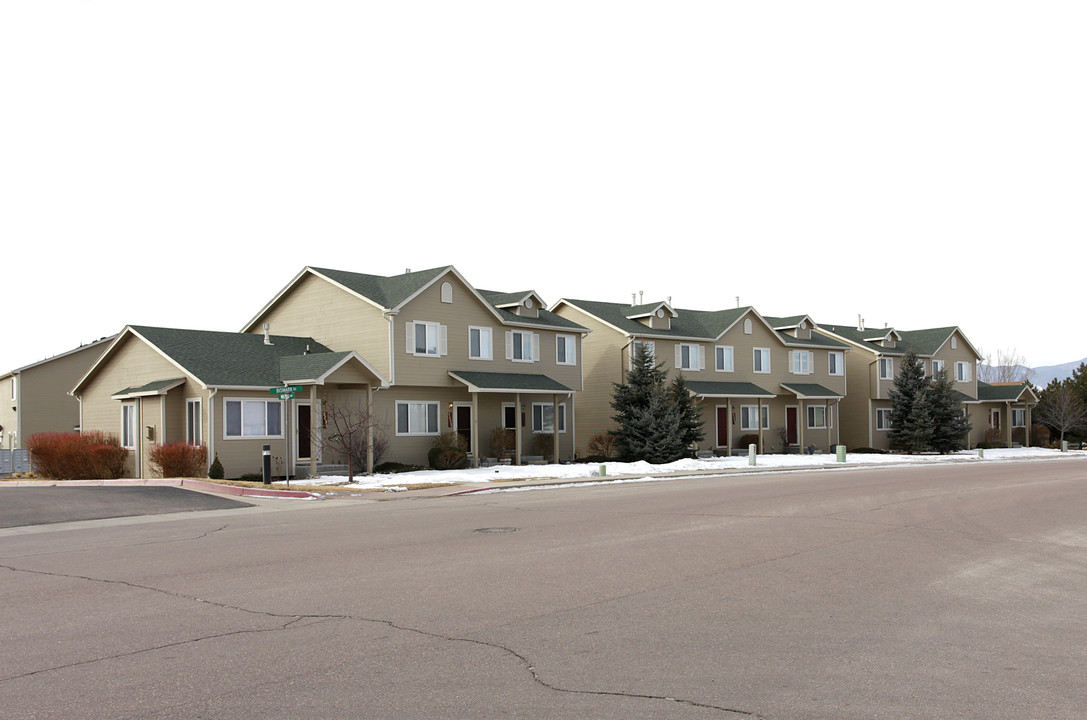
column 566, row 349
column 762, row 360
column 962, row 372
column 724, row 358
column 817, row 417
column 994, row 419
column 937, row 366
column 522, row 346
column 649, row 345
column 128, row 424
column 480, row 345
column 690, row 356
column 800, row 362
column 509, row 416
column 835, row 363
column 252, row 418
column 886, row 368
column 543, row 417
column 1019, row 417
column 883, row 419
column 749, row 417
column 193, row 435
column 416, row 418
column 426, row 339
column 747, row 326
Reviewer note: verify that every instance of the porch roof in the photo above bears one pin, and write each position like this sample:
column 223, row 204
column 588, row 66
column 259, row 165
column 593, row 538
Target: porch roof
column 811, row 391
column 488, row 382
column 155, row 387
column 315, row 368
column 1006, row 392
column 704, row 388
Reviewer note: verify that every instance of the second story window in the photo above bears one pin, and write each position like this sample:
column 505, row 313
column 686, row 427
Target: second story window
column 426, row 339
column 937, row 366
column 565, row 349
column 836, row 363
column 762, row 360
column 649, row 346
column 479, row 343
column 522, row 346
column 690, row 357
column 962, row 372
column 800, row 362
column 724, row 355
column 886, row 368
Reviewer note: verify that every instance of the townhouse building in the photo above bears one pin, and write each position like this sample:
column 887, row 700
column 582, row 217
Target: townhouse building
column 774, row 381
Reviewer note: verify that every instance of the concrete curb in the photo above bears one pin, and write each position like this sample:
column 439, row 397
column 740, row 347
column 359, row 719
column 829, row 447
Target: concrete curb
column 170, row 482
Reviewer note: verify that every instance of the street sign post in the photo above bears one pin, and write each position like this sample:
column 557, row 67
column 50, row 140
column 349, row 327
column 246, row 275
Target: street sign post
column 286, row 393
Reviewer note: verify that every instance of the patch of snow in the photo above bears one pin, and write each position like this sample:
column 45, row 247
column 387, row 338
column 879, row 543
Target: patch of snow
column 643, row 471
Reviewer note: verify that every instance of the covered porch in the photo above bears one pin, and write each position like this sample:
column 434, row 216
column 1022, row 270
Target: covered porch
column 724, row 400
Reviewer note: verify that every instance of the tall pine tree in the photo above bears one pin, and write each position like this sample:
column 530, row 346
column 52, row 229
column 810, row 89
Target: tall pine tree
column 647, row 415
column 950, row 427
column 911, row 412
column 690, row 418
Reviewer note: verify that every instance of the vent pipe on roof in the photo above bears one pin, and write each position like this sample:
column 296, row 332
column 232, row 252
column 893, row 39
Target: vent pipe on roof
column 307, row 349
column 640, row 300
column 633, row 299
column 267, row 337
column 860, row 322
column 737, row 301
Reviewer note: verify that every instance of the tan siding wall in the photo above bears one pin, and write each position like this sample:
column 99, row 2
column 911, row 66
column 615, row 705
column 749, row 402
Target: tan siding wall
column 333, row 317
column 245, row 455
column 961, row 354
column 8, row 415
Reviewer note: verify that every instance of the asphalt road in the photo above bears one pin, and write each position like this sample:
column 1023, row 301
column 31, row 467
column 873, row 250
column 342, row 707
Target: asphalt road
column 934, row 592
column 24, row 506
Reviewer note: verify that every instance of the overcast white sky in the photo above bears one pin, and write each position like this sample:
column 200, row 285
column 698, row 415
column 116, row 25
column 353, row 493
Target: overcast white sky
column 176, row 164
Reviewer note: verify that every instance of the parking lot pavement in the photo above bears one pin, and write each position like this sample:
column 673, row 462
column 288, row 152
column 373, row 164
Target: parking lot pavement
column 25, row 506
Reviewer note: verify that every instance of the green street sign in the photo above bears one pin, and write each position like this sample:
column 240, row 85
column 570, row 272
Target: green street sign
column 288, row 390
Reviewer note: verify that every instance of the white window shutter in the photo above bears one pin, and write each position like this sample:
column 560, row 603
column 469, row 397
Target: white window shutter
column 409, row 333
column 571, row 351
column 509, row 345
column 679, row 356
column 792, row 362
column 535, row 347
column 701, row 357
column 811, row 361
column 443, row 340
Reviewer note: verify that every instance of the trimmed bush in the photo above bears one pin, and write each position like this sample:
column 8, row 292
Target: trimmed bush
column 179, row 460
column 93, row 455
column 216, row 472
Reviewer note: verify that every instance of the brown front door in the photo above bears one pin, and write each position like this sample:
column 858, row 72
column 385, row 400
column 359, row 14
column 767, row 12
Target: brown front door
column 722, row 426
column 790, row 425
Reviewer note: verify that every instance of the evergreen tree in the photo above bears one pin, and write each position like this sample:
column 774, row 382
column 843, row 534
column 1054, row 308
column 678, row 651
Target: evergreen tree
column 689, row 418
column 949, row 424
column 911, row 413
column 646, row 413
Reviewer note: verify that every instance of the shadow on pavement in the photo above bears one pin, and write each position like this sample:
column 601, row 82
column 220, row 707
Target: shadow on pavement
column 24, row 506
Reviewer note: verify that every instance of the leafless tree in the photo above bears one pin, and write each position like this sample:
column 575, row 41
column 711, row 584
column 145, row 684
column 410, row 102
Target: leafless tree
column 345, row 430
column 1062, row 410
column 1008, row 366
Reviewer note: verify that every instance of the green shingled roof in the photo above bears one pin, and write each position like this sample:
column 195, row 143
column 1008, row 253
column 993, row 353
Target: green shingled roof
column 687, row 323
column 226, row 358
column 388, row 292
column 299, row 368
column 728, row 389
column 508, row 382
column 1006, row 392
column 924, row 342
column 811, row 390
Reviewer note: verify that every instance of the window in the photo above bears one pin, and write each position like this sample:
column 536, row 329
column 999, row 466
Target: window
column 937, row 366
column 479, row 343
column 690, row 357
column 416, row 418
column 649, row 345
column 128, row 425
column 522, row 346
column 886, row 368
column 962, row 372
column 762, row 360
column 883, row 419
column 543, row 418
column 426, row 339
column 254, row 418
column 836, row 363
column 799, row 362
column 749, row 417
column 817, row 417
column 994, row 419
column 1019, row 417
column 192, row 422
column 509, row 416
column 566, row 350
column 724, row 358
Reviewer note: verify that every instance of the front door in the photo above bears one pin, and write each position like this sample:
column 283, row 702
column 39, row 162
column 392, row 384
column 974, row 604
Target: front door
column 790, row 425
column 303, row 431
column 463, row 424
column 722, row 426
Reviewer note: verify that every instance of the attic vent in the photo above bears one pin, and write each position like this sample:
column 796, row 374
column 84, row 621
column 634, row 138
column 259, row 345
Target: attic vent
column 447, row 293
column 267, row 337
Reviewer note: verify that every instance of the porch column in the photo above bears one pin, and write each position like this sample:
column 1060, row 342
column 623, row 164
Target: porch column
column 369, row 429
column 728, row 427
column 517, row 429
column 758, row 423
column 1008, row 422
column 555, row 429
column 314, row 428
column 801, row 421
column 1030, row 422
column 475, row 429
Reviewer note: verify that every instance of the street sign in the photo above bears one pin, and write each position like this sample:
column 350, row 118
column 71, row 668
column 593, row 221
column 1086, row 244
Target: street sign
column 287, row 391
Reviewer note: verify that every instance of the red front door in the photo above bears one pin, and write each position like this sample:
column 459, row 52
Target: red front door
column 790, row 425
column 722, row 426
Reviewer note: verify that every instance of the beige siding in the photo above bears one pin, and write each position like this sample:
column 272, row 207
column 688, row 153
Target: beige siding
column 962, row 353
column 9, row 413
column 333, row 317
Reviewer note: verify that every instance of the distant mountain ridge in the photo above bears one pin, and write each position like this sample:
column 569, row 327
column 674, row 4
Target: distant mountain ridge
column 1047, row 373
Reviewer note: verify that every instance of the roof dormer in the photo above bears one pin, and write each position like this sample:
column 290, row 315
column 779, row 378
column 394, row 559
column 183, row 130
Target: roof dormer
column 657, row 316
column 526, row 304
